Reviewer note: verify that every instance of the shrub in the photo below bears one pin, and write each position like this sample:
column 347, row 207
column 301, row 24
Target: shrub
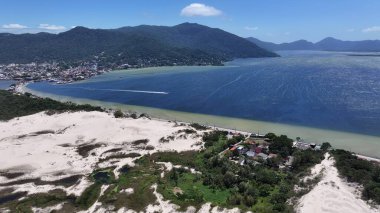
column 118, row 114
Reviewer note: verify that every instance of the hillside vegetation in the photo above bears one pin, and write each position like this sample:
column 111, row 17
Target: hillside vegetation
column 189, row 44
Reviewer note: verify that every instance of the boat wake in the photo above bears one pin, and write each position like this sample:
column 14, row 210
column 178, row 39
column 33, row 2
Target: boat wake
column 122, row 90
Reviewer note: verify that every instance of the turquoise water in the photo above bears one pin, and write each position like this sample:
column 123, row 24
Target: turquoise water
column 321, row 90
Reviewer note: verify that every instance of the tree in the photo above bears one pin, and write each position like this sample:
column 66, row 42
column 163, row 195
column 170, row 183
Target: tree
column 281, row 145
column 249, row 200
column 270, row 135
column 173, row 175
column 118, row 114
column 229, row 179
column 325, row 146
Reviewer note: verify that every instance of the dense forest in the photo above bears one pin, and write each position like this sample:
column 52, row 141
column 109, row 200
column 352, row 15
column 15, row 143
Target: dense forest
column 12, row 105
column 189, row 44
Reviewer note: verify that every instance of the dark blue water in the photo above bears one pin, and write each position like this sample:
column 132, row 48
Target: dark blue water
column 315, row 89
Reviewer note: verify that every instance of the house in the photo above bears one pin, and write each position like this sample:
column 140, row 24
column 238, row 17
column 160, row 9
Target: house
column 250, row 154
column 258, row 150
column 250, row 141
column 301, row 145
column 262, row 156
column 289, row 161
column 256, row 135
column 272, row 155
column 233, row 148
column 242, row 150
column 317, row 147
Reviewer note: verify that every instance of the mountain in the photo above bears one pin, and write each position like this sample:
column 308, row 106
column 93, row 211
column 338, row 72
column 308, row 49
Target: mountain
column 210, row 40
column 158, row 45
column 263, row 44
column 333, row 44
column 327, row 44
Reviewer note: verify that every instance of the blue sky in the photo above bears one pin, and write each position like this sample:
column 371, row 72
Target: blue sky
column 269, row 20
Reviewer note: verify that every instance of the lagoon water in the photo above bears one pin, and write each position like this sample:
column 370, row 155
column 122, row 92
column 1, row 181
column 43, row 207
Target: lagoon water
column 317, row 90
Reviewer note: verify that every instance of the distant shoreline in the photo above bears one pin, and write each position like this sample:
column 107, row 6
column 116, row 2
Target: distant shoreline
column 365, row 55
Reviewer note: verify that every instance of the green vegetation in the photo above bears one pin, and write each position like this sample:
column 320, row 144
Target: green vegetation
column 281, row 145
column 360, row 171
column 186, row 189
column 118, row 114
column 305, row 159
column 12, row 106
column 259, row 188
column 40, row 200
column 185, row 44
column 198, row 126
column 140, row 178
column 326, row 146
column 89, row 196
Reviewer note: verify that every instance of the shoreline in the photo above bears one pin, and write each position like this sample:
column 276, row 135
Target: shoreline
column 360, row 144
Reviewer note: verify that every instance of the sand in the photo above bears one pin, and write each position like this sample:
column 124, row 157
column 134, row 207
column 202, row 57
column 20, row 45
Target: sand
column 332, row 194
column 45, row 146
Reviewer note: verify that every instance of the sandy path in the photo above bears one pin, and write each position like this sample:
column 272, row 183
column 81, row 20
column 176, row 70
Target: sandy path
column 332, row 194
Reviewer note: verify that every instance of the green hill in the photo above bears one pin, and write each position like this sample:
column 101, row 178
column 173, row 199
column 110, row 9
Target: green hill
column 182, row 44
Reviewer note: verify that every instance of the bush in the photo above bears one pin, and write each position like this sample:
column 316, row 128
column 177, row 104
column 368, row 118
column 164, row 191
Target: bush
column 361, row 171
column 198, row 126
column 118, row 114
column 325, row 146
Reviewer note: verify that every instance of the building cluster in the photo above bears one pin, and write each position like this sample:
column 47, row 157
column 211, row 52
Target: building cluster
column 52, row 72
column 255, row 149
column 251, row 149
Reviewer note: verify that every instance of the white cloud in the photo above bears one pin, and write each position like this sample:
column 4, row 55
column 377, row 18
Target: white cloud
column 197, row 9
column 287, row 33
column 251, row 28
column 51, row 27
column 351, row 30
column 14, row 26
column 371, row 29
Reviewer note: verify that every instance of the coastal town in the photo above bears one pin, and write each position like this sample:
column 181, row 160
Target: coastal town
column 52, row 72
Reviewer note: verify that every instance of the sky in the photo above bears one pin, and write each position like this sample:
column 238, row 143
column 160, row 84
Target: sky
column 269, row 20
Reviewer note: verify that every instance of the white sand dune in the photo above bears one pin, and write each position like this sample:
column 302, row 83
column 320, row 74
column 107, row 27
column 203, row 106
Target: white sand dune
column 332, row 194
column 45, row 146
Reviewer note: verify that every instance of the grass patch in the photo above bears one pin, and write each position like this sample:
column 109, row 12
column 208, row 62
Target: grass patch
column 40, row 200
column 177, row 158
column 194, row 192
column 89, row 196
column 140, row 178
